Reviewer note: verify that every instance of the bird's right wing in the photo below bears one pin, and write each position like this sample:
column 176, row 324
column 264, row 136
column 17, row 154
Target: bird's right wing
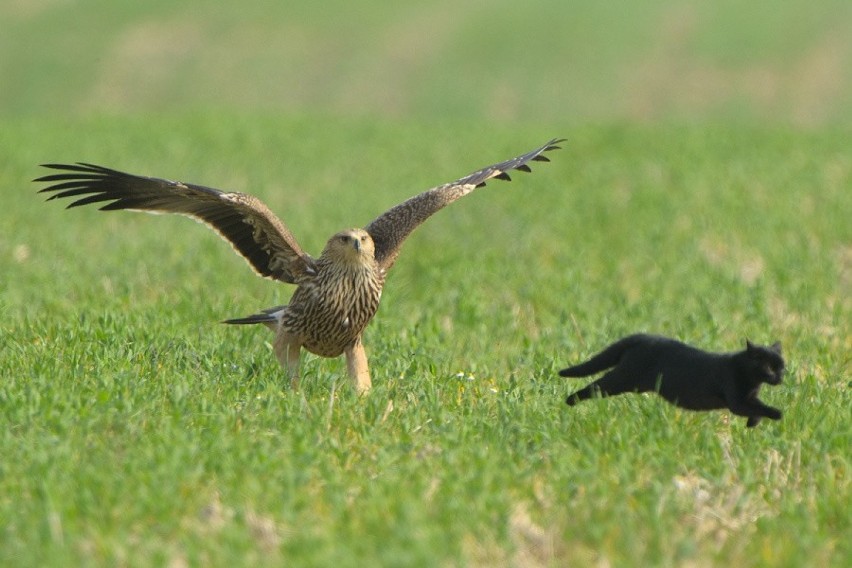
column 251, row 228
column 392, row 227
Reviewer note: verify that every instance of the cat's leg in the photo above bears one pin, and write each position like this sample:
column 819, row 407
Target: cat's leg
column 753, row 409
column 752, row 421
column 590, row 391
column 610, row 384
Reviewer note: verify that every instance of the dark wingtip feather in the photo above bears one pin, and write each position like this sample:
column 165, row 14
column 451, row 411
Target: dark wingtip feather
column 76, row 167
column 66, row 177
column 499, row 171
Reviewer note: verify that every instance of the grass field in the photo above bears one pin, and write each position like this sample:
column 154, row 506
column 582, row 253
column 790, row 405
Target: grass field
column 136, row 431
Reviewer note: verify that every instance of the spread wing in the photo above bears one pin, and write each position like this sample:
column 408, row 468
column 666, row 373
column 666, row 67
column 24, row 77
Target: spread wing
column 392, row 227
column 253, row 230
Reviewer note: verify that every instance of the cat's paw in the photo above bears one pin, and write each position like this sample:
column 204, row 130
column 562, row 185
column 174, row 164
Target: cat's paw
column 752, row 421
column 773, row 413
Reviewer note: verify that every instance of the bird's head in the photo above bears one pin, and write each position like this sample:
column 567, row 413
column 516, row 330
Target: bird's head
column 352, row 245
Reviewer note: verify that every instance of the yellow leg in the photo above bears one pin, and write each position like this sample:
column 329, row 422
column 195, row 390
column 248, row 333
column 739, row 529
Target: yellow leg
column 356, row 365
column 287, row 349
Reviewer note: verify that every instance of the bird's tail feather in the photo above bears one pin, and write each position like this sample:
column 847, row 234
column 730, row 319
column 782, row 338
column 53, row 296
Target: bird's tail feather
column 268, row 316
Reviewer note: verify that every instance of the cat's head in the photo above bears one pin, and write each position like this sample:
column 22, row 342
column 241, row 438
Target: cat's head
column 765, row 362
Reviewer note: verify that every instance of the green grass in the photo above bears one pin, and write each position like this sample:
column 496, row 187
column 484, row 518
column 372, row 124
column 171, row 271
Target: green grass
column 136, row 430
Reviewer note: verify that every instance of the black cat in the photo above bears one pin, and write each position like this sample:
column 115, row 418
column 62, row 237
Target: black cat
column 685, row 376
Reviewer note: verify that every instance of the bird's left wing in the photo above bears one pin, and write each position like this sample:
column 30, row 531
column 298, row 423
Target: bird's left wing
column 252, row 229
column 392, row 227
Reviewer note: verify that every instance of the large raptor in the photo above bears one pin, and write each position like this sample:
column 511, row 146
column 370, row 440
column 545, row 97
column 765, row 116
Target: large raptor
column 336, row 294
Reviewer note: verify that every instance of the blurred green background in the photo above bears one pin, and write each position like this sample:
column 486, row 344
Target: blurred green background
column 787, row 61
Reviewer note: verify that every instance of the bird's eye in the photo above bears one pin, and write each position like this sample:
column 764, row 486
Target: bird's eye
column 344, row 239
column 363, row 238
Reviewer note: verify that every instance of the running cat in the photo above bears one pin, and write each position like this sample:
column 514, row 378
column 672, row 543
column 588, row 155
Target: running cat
column 685, row 376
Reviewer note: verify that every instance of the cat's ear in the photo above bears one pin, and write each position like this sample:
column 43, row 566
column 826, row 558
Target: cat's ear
column 749, row 346
column 776, row 347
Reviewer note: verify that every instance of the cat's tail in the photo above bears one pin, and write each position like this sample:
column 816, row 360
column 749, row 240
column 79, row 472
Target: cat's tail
column 607, row 358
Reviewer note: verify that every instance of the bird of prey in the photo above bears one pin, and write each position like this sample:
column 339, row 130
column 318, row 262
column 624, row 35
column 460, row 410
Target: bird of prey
column 336, row 294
